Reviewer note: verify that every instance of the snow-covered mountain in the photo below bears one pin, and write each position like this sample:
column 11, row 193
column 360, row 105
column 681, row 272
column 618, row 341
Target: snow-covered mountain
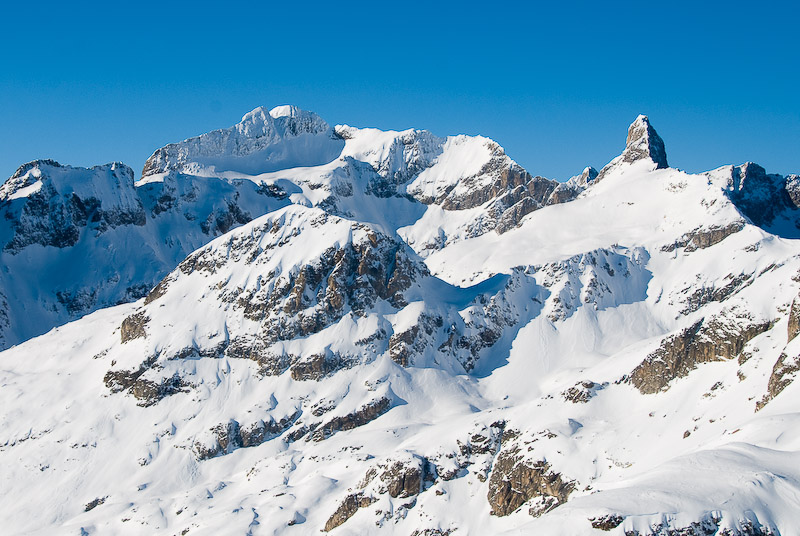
column 366, row 332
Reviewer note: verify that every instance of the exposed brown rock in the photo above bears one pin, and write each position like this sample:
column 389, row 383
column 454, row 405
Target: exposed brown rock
column 231, row 436
column 515, row 480
column 607, row 522
column 643, row 142
column 351, row 278
column 399, row 344
column 270, row 364
column 158, row 291
column 762, row 196
column 347, row 509
column 405, row 345
column 713, row 293
column 227, row 439
column 717, row 339
column 783, row 373
column 94, row 504
column 581, row 392
column 367, row 413
column 148, row 392
column 133, row 327
column 319, row 366
column 707, row 526
column 477, row 452
column 704, row 237
column 794, row 319
column 403, row 480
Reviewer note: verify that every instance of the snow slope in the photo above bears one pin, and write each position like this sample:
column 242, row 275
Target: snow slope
column 621, row 359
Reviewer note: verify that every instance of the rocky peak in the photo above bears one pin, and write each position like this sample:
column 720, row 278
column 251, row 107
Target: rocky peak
column 587, row 176
column 35, row 164
column 262, row 141
column 286, row 120
column 26, row 175
column 642, row 143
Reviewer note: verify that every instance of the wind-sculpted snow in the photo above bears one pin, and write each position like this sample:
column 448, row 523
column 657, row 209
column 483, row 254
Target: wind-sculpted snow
column 412, row 336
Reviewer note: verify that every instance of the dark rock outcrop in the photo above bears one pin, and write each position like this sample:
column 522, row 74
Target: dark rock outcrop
column 644, row 142
column 607, row 522
column 705, row 294
column 702, row 238
column 148, row 392
column 347, row 509
column 715, row 339
column 320, row 365
column 309, row 298
column 507, row 190
column 133, row 327
column 433, row 532
column 794, row 320
column 581, row 392
column 708, row 525
column 515, row 480
column 405, row 345
column 362, row 416
column 783, row 374
column 230, row 436
column 403, row 478
column 91, row 505
column 567, row 191
column 406, row 478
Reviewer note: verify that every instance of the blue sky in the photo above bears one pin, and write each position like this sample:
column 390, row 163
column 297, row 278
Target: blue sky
column 557, row 86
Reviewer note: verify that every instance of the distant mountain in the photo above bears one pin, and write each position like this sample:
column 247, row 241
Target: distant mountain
column 364, row 332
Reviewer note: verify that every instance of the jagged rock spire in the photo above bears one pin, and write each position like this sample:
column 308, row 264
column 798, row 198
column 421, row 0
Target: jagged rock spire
column 643, row 142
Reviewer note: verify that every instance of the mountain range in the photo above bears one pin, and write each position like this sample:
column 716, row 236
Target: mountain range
column 284, row 327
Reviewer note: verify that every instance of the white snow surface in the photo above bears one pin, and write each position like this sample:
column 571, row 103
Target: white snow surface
column 580, row 292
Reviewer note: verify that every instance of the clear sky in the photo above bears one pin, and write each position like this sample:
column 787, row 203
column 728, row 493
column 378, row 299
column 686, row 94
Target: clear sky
column 555, row 84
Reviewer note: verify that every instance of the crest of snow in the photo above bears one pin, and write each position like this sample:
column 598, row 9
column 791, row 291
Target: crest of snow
column 259, row 143
column 286, row 110
column 398, row 156
column 461, row 157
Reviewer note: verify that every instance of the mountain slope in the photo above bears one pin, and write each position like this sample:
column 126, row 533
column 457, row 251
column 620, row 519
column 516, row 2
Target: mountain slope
column 622, row 360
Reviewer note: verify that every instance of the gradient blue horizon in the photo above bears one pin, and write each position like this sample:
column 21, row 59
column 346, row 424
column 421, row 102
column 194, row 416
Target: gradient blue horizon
column 555, row 86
